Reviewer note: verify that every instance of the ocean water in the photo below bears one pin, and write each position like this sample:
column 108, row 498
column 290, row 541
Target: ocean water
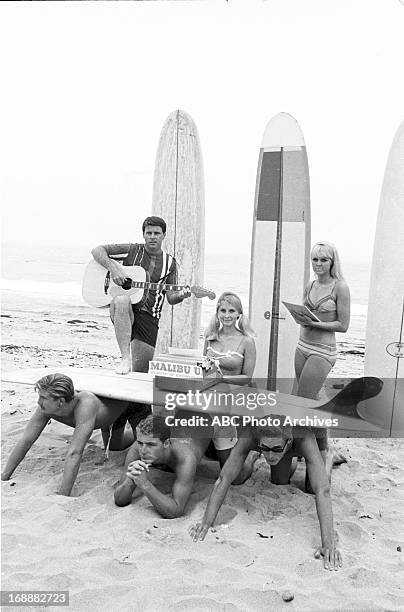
column 47, row 280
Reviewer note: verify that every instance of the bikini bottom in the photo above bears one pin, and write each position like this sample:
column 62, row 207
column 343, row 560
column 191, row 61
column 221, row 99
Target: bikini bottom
column 316, row 349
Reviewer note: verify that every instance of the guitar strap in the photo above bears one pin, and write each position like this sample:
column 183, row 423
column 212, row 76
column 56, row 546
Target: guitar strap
column 135, row 257
column 166, row 267
column 165, row 271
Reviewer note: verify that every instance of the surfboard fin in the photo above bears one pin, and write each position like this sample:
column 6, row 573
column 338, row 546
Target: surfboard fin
column 346, row 401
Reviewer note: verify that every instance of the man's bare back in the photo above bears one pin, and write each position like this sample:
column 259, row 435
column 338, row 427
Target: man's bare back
column 82, row 410
column 87, row 404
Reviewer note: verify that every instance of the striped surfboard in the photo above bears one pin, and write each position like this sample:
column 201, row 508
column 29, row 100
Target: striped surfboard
column 280, row 252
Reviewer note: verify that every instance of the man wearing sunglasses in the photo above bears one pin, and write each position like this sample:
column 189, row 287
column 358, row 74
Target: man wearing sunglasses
column 279, row 446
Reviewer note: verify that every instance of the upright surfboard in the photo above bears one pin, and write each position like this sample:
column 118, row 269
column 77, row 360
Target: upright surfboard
column 178, row 197
column 280, row 251
column 384, row 351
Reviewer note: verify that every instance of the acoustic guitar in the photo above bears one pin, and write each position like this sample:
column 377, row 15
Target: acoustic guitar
column 99, row 289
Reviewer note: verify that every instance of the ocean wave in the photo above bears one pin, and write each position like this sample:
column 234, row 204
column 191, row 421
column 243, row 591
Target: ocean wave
column 40, row 287
column 73, row 289
column 359, row 310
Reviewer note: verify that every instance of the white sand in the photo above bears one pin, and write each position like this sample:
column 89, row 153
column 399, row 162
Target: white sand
column 130, row 558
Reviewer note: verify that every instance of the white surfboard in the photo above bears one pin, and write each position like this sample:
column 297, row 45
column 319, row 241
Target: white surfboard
column 138, row 387
column 135, row 386
column 280, row 251
column 384, row 351
column 178, row 197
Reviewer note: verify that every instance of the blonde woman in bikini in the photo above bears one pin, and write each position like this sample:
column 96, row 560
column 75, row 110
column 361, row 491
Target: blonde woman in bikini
column 327, row 296
column 229, row 341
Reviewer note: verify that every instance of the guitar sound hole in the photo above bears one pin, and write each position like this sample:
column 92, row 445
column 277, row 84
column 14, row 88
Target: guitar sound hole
column 127, row 284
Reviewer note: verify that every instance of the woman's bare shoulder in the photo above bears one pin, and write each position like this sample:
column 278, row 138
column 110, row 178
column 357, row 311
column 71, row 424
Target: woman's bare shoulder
column 341, row 286
column 248, row 341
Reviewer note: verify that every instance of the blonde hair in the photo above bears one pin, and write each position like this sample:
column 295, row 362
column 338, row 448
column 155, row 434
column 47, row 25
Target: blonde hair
column 57, row 386
column 243, row 324
column 329, row 250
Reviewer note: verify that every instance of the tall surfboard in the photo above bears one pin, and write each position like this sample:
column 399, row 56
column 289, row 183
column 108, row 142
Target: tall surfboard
column 178, row 197
column 384, row 350
column 280, row 251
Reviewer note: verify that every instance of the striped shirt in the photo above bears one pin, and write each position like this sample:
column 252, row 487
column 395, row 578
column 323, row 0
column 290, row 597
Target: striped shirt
column 161, row 268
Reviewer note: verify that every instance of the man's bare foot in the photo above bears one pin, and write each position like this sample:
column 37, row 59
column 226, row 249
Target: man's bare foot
column 334, row 458
column 124, row 367
column 338, row 459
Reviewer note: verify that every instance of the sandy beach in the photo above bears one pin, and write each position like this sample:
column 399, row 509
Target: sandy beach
column 87, row 89
column 262, row 546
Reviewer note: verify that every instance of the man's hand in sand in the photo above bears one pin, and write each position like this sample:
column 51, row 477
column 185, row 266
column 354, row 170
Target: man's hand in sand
column 332, row 557
column 198, row 532
column 138, row 473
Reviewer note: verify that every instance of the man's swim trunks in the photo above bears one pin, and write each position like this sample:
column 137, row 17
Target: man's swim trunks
column 145, row 327
column 134, row 413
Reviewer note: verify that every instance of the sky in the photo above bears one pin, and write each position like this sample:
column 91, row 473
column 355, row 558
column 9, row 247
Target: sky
column 85, row 88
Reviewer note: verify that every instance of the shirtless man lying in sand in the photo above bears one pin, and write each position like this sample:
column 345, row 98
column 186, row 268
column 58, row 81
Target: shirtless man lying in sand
column 57, row 399
column 154, row 448
column 278, row 453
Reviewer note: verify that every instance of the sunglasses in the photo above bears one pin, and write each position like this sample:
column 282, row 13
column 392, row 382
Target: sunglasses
column 263, row 448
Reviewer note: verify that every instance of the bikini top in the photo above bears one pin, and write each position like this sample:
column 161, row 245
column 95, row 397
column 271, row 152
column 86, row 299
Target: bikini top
column 229, row 361
column 326, row 304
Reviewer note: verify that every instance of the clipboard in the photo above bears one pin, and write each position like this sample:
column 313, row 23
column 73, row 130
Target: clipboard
column 300, row 309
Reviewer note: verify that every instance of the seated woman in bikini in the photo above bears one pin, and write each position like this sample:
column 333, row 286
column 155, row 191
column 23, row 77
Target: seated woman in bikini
column 229, row 341
column 327, row 296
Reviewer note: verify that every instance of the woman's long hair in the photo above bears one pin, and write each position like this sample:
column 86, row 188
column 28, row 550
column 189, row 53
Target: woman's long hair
column 243, row 324
column 326, row 249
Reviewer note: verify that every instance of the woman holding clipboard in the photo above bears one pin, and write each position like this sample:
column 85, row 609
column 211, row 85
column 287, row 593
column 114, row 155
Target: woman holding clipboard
column 328, row 298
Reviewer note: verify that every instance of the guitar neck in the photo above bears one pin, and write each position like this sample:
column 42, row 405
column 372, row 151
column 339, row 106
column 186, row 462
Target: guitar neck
column 147, row 285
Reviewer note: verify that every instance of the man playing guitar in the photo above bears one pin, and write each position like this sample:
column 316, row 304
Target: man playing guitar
column 136, row 325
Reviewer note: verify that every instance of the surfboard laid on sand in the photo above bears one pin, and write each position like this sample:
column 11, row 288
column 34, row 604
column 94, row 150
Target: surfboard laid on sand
column 178, row 197
column 138, row 387
column 280, row 251
column 384, row 349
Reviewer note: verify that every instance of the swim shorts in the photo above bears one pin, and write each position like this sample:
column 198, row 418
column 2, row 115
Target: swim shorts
column 134, row 413
column 145, row 327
